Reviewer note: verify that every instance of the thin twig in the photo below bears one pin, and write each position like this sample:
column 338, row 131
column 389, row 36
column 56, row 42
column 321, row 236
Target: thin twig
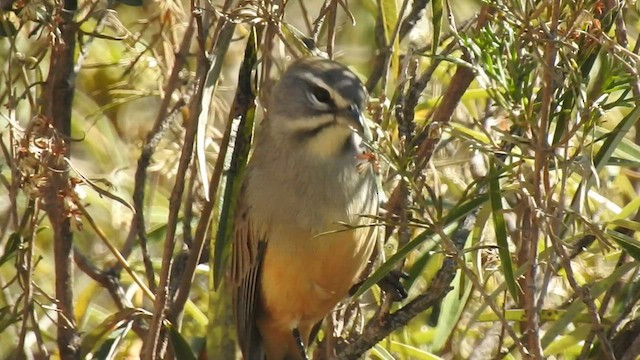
column 332, row 12
column 305, row 16
column 208, row 74
column 107, row 279
column 416, row 12
column 148, row 149
column 121, row 260
column 379, row 328
column 389, row 49
column 584, row 294
column 317, row 24
column 200, row 237
column 27, row 282
column 606, row 300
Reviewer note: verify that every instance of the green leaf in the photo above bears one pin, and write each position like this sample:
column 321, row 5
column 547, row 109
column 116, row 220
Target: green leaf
column 437, row 10
column 630, row 245
column 412, row 352
column 520, row 315
column 239, row 159
column 625, row 223
column 301, row 42
column 500, row 228
column 98, row 337
column 611, row 143
column 13, row 244
column 181, row 347
column 626, row 149
column 418, row 267
column 454, row 215
column 568, row 346
column 453, row 305
column 211, row 84
column 615, row 137
column 629, row 210
column 131, row 2
column 577, row 307
column 381, row 353
column 389, row 14
column 7, row 29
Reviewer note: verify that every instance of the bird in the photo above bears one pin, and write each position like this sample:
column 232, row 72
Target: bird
column 303, row 226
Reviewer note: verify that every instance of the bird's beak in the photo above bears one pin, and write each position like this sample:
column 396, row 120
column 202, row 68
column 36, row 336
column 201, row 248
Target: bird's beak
column 354, row 119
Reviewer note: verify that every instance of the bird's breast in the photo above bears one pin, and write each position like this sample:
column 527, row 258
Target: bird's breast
column 316, row 247
column 304, row 275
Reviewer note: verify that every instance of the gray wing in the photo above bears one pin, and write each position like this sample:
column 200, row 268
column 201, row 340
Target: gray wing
column 246, row 261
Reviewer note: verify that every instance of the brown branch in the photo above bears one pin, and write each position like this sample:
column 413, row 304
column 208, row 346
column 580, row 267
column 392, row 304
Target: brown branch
column 244, row 98
column 528, row 257
column 153, row 344
column 107, row 279
column 584, row 294
column 319, row 22
column 440, row 286
column 57, row 106
column 606, row 300
column 148, row 149
column 305, row 16
column 381, row 55
column 442, row 115
column 459, row 84
column 379, row 328
column 416, row 12
column 207, row 74
column 332, row 12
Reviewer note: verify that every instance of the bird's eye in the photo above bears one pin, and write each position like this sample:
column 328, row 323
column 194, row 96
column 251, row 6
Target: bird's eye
column 321, row 95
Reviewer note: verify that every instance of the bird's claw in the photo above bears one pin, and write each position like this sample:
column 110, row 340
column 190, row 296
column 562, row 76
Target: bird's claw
column 391, row 285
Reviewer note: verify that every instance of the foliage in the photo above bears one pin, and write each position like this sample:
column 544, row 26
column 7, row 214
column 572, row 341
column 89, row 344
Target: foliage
column 506, row 134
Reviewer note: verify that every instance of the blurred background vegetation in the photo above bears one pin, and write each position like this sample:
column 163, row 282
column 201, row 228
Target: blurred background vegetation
column 508, row 142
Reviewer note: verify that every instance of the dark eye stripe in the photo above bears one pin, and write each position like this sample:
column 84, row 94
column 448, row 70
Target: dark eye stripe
column 322, row 95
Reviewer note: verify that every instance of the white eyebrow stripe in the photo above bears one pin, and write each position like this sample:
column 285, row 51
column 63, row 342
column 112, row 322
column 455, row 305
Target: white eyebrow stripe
column 340, row 101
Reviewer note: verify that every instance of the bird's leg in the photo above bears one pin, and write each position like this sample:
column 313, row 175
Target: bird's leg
column 300, row 344
column 390, row 284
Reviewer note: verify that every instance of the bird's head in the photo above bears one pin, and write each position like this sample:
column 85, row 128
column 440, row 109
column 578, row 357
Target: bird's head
column 318, row 103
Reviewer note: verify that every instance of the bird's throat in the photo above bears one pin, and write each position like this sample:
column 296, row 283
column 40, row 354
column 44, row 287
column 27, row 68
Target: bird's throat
column 333, row 141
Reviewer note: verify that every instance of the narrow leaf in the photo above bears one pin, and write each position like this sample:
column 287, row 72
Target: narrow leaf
column 181, row 347
column 630, row 245
column 577, row 307
column 500, row 228
column 456, row 214
column 437, row 10
column 211, row 83
column 13, row 243
column 245, row 104
column 131, row 2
